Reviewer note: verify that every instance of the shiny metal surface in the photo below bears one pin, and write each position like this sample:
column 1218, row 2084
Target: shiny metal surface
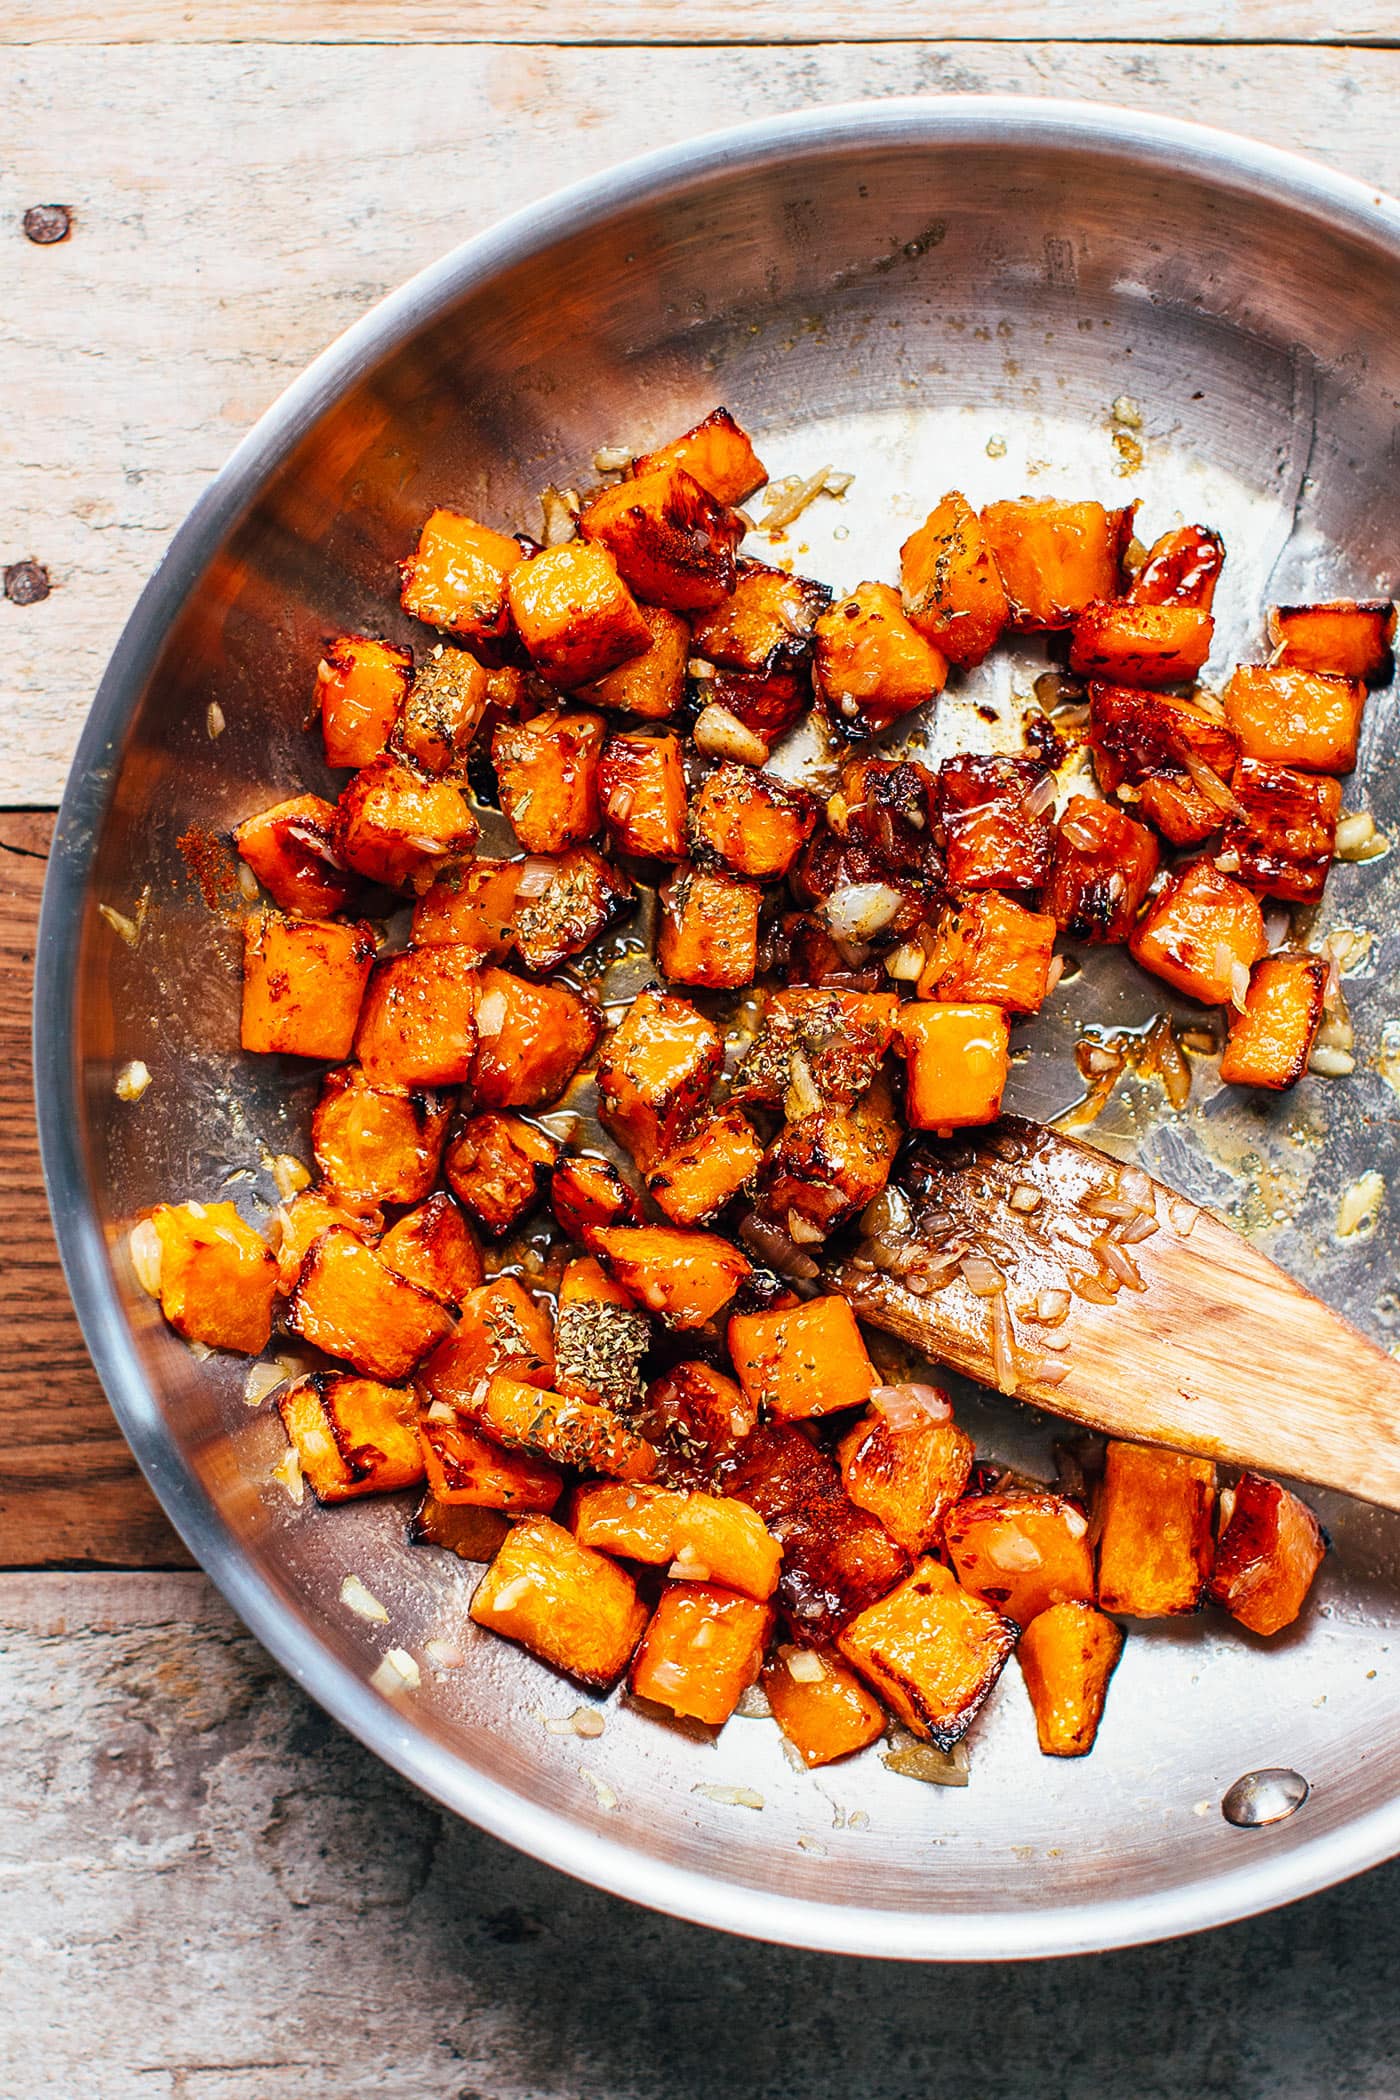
column 947, row 292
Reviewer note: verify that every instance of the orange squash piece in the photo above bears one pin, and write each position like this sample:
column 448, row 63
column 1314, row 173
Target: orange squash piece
column 361, row 686
column 909, row 1477
column 957, row 1059
column 566, row 1430
column 580, row 898
column 717, row 453
column 1285, row 830
column 1155, row 1544
column 463, row 1528
column 1104, row 866
column 397, row 827
column 1067, row 1656
column 574, row 613
column 531, row 1039
column 472, row 908
column 570, row 1606
column 463, row 1466
column 1345, row 637
column 218, row 1277
column 1270, row 1548
column 984, row 947
column 802, row 1360
column 672, row 542
column 702, row 1650
column 630, row 1518
column 655, row 1074
column 1307, row 719
column 352, row 1436
column 1271, row 1041
column 600, row 1338
column 498, row 1167
column 1198, row 930
column 709, row 929
column 951, row 585
column 502, row 1329
column 547, row 769
column 1141, row 645
column 312, row 1212
column 765, row 625
column 303, row 981
column 832, row 1037
column 822, row 1707
column 1181, row 568
column 456, row 578
column 446, row 701
column 685, row 1277
column 997, row 833
column 751, row 823
column 417, row 1025
column 375, row 1144
column 1055, row 558
column 641, row 788
column 825, row 1168
column 706, row 1170
column 1166, row 753
column 873, row 665
column 434, row 1248
column 1021, row 1553
column 291, row 849
column 350, row 1304
column 696, row 1408
column 932, row 1652
column 719, row 1539
column 588, row 1190
column 652, row 683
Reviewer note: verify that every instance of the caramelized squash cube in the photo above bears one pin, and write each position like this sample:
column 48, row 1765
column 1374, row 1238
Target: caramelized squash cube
column 218, row 1277
column 352, row 1436
column 996, row 831
column 417, row 1025
column 1055, row 558
column 686, row 1277
column 1346, row 638
column 443, row 711
column 818, row 1044
column 398, row 828
column 672, row 542
column 765, row 625
column 1199, row 931
column 567, row 1430
column 932, row 1652
column 956, row 1063
column 630, row 1518
column 291, row 849
column 909, row 1476
column 1141, row 645
column 719, row 1539
column 531, row 1039
column 502, row 1330
column 303, row 981
column 570, row 1606
column 575, row 615
column 350, row 1304
column 889, row 808
column 1297, row 718
column 588, row 1190
column 375, row 1144
column 463, row 1528
column 471, row 908
column 582, row 898
column 873, row 665
column 464, row 1466
column 702, row 1650
column 655, row 1074
column 709, row 929
column 1067, row 1655
column 1104, row 866
column 641, row 787
column 1285, row 830
column 807, row 1359
column 695, row 1408
column 600, row 1338
column 1021, row 1553
column 652, row 683
column 434, row 1248
column 767, row 703
column 1179, row 759
column 823, row 1169
column 717, row 453
column 1155, row 1543
column 751, row 823
column 706, row 1170
column 456, row 579
column 951, row 584
column 986, row 947
column 498, row 1167
column 822, row 1707
column 547, row 769
column 361, row 686
column 1270, row 1548
column 1182, row 568
column 1271, row 1041
column 309, row 1214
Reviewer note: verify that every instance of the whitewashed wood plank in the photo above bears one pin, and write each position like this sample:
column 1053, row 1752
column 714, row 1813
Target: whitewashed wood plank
column 236, row 207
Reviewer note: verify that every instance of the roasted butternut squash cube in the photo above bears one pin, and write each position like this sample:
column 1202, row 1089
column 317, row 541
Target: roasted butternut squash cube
column 817, row 1045
column 823, row 1169
column 641, row 788
column 310, row 1213
column 502, row 1330
column 956, row 1064
column 706, row 1170
column 1270, row 1548
column 417, row 1025
column 1346, row 638
column 765, row 625
column 908, row 1472
column 352, row 1436
column 563, row 907
column 1199, row 931
column 567, row 1430
column 873, row 665
column 1155, row 1544
column 570, row 1606
column 531, row 1039
column 631, row 1518
column 655, row 1074
column 1141, row 645
column 498, row 1167
column 464, row 1466
column 600, row 1338
column 686, row 1277
column 463, row 1528
column 652, row 683
column 1055, row 558
column 719, row 1539
column 1021, row 1553
column 1178, row 759
column 951, row 584
column 672, row 542
column 751, row 823
column 361, row 686
column 472, row 908
column 697, row 1411
column 701, row 1651
column 291, row 849
column 587, row 1190
column 350, row 1304
column 1104, row 866
column 396, row 827
column 717, row 453
column 995, row 815
column 1284, row 831
column 303, row 981
column 218, row 1277
column 434, row 1247
column 932, row 1652
column 709, row 929
column 807, row 1359
column 1067, row 1655
column 765, row 702
column 986, row 947
column 1271, row 1041
column 375, row 1144
column 1181, row 568
column 547, row 769
column 888, row 807
column 822, row 1707
column 443, row 710
column 1297, row 718
column 574, row 613
column 457, row 576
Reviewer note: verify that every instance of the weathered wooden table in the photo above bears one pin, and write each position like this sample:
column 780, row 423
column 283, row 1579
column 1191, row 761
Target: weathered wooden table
column 206, row 1890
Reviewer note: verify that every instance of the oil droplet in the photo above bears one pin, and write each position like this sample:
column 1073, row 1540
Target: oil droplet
column 1269, row 1795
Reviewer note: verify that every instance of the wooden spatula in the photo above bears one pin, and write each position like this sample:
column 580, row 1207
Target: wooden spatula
column 1042, row 1267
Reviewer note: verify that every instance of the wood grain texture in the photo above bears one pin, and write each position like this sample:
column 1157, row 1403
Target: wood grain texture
column 195, row 285
column 69, row 1488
